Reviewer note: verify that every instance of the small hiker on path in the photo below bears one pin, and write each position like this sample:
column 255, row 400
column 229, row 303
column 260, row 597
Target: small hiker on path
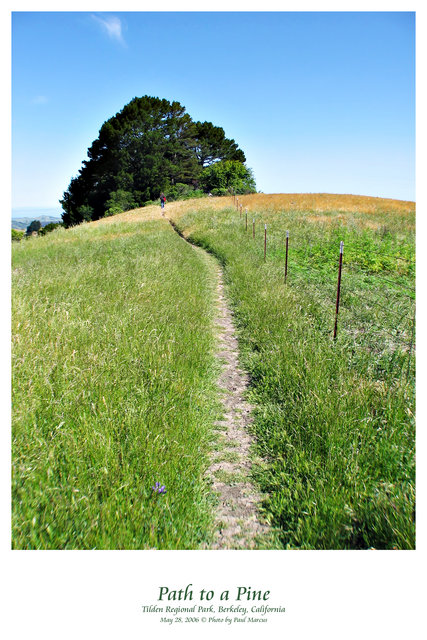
column 162, row 200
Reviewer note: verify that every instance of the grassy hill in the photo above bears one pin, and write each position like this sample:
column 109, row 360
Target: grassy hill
column 334, row 419
column 114, row 373
column 113, row 389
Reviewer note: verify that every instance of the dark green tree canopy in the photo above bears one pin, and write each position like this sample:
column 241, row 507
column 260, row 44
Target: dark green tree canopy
column 149, row 146
column 212, row 145
column 35, row 225
column 50, row 227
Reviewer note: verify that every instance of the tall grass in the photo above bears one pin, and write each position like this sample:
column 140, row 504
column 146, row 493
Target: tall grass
column 113, row 389
column 334, row 420
column 114, row 375
column 328, row 202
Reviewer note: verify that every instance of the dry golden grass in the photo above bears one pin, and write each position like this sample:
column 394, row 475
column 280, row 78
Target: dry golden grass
column 173, row 209
column 309, row 202
column 142, row 214
column 323, row 202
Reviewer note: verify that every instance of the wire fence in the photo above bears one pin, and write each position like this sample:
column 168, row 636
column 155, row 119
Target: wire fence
column 370, row 313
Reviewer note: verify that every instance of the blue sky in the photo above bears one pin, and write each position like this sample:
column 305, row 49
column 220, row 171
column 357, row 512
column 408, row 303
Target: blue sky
column 318, row 101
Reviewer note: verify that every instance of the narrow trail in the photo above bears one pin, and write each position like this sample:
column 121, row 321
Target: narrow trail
column 238, row 523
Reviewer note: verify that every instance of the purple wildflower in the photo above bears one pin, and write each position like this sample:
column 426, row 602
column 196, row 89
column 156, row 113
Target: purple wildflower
column 158, row 488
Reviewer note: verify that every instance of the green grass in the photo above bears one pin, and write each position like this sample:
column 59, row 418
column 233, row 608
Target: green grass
column 114, row 380
column 113, row 389
column 333, row 420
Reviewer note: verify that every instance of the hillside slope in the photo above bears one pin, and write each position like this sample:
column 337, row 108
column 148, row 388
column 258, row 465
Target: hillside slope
column 114, row 373
column 334, row 418
column 113, row 389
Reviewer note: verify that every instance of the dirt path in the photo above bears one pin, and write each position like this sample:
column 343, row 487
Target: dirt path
column 238, row 523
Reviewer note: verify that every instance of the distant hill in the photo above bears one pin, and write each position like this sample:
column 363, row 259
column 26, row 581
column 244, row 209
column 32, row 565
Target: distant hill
column 21, row 224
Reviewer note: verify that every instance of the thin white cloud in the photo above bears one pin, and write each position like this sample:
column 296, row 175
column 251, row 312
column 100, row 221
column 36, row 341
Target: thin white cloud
column 39, row 100
column 112, row 26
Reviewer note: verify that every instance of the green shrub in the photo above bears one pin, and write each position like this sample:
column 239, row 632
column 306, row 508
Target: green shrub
column 17, row 235
column 112, row 211
column 85, row 212
column 219, row 192
column 227, row 175
column 120, row 201
column 50, row 227
column 180, row 191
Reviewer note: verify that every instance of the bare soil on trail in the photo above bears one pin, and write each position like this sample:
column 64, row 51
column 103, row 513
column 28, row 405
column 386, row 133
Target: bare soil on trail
column 239, row 523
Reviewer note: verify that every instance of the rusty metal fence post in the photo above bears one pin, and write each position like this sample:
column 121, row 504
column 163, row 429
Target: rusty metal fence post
column 286, row 255
column 337, row 304
column 265, row 242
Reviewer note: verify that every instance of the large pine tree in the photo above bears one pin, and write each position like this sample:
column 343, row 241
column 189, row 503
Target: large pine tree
column 148, row 146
